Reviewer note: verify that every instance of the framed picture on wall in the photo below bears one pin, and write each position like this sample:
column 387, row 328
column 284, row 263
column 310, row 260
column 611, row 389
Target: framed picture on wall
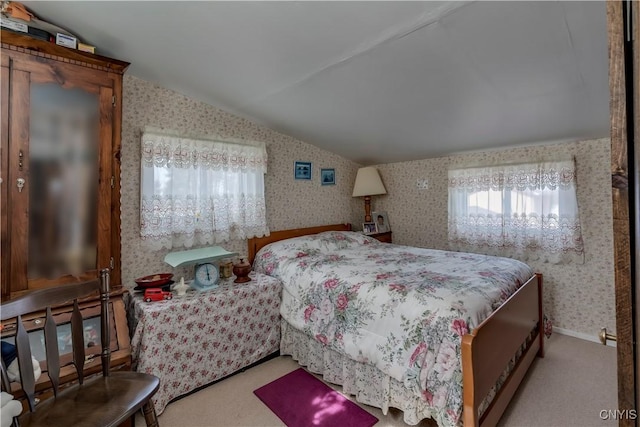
column 382, row 221
column 328, row 176
column 302, row 170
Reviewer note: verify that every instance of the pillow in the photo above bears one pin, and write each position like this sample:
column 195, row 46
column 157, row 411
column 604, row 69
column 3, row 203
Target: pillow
column 336, row 240
column 269, row 257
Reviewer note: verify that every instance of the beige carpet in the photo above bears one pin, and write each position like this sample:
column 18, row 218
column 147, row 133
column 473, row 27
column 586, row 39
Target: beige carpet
column 568, row 387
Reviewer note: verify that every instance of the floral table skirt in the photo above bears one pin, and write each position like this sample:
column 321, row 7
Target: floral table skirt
column 193, row 340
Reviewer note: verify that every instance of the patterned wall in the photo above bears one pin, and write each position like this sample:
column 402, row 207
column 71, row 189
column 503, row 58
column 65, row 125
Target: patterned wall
column 290, row 203
column 578, row 297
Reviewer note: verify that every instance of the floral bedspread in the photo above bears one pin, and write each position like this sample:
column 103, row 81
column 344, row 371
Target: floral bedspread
column 401, row 309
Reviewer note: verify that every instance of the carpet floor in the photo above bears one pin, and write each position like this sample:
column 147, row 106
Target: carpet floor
column 569, row 387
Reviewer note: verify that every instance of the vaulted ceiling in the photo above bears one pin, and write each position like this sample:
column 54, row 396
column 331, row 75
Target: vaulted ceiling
column 375, row 82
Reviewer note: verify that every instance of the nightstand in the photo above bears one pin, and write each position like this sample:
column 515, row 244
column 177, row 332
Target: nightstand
column 204, row 336
column 383, row 237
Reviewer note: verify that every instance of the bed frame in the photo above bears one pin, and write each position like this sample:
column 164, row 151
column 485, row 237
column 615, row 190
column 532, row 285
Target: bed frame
column 487, row 351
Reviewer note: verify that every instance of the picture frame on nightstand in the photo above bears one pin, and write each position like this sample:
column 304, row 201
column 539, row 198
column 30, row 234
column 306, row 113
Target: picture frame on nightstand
column 382, row 221
column 369, row 228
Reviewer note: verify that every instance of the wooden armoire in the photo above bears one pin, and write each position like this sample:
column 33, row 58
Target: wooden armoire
column 61, row 119
column 60, row 169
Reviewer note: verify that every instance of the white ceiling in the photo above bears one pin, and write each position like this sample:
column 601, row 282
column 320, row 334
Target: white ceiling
column 375, row 82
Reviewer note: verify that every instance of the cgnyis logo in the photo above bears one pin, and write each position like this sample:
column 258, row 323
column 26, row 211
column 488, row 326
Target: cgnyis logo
column 618, row 414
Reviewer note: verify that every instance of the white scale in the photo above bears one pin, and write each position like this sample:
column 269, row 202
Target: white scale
column 205, row 273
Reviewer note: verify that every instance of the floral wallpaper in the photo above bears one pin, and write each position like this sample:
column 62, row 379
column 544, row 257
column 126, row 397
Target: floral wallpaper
column 290, row 203
column 578, row 297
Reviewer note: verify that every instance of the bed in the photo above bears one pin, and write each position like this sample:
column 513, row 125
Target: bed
column 436, row 334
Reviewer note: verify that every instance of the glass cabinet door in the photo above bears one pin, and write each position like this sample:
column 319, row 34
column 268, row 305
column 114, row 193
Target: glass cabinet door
column 63, row 181
column 59, row 176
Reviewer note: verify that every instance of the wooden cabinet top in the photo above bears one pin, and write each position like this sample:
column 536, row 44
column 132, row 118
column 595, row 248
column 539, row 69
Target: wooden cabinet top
column 383, row 237
column 41, row 48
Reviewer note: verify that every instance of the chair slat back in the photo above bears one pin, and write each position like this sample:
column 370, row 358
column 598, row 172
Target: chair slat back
column 23, row 353
column 77, row 341
column 43, row 300
column 52, row 351
column 6, row 385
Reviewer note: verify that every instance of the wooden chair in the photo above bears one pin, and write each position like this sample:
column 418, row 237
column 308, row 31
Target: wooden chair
column 105, row 400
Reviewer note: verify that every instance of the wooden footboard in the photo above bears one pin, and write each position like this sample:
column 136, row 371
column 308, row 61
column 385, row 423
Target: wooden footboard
column 488, row 349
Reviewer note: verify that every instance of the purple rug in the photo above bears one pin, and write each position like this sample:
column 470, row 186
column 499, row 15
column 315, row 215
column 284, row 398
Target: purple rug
column 301, row 400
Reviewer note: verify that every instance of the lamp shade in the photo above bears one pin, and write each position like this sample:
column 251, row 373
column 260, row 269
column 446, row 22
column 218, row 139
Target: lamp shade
column 368, row 183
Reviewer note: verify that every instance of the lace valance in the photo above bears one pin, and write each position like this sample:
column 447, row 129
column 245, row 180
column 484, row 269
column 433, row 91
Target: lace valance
column 540, row 176
column 169, row 150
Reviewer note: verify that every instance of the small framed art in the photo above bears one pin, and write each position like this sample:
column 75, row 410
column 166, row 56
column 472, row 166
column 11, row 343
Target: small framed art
column 302, row 170
column 382, row 221
column 328, row 176
column 369, row 228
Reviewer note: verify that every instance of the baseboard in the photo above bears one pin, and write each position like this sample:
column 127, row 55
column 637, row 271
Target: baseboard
column 582, row 336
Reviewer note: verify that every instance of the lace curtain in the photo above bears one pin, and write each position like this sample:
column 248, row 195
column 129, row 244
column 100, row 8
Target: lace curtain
column 527, row 211
column 196, row 191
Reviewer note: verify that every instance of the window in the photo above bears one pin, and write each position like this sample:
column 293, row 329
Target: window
column 528, row 211
column 197, row 191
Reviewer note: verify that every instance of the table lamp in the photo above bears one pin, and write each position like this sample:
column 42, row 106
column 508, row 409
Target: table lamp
column 368, row 183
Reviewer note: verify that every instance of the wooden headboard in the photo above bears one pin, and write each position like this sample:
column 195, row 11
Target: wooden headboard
column 257, row 243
